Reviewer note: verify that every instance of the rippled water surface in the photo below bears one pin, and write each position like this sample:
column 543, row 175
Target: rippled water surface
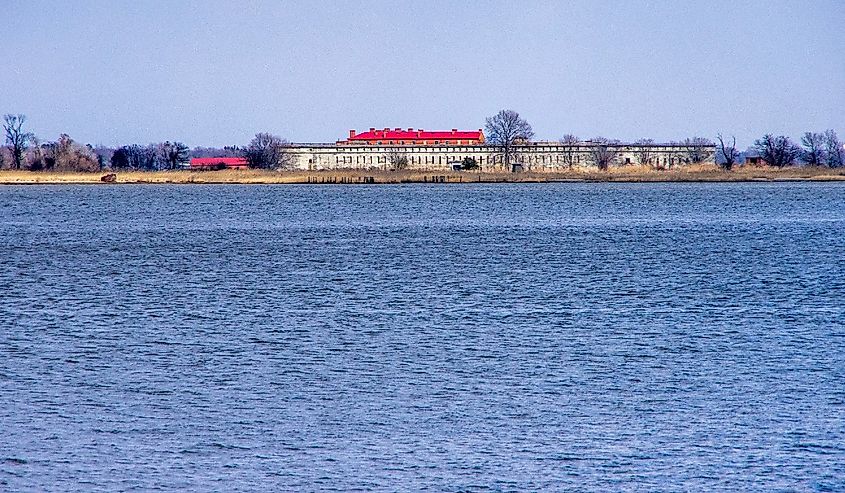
column 588, row 337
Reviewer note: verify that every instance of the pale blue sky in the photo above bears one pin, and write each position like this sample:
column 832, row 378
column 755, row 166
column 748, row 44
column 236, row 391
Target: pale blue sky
column 214, row 73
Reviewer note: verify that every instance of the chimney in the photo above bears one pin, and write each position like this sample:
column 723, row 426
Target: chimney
column 410, row 129
column 372, row 129
column 454, row 130
column 351, row 133
column 397, row 129
column 386, row 129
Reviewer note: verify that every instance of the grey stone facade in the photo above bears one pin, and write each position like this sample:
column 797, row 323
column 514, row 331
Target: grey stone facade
column 536, row 156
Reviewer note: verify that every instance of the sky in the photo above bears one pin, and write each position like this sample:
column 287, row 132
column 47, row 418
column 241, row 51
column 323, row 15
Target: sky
column 213, row 73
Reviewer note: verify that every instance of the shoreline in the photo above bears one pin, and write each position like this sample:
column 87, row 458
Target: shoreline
column 698, row 174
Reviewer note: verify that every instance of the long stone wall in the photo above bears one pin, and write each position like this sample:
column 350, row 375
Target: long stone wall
column 540, row 156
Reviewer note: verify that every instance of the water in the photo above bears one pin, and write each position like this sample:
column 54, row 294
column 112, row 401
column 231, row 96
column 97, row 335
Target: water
column 588, row 337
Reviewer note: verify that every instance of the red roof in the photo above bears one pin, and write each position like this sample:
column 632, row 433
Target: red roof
column 213, row 161
column 411, row 134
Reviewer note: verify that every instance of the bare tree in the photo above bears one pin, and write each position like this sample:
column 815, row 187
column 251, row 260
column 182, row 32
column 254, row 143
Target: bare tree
column 65, row 154
column 135, row 157
column 778, row 151
column 121, row 158
column 697, row 150
column 173, row 155
column 814, row 148
column 228, row 151
column 40, row 155
column 644, row 151
column 506, row 130
column 148, row 157
column 104, row 155
column 834, row 151
column 604, row 152
column 396, row 159
column 17, row 140
column 570, row 149
column 729, row 152
column 266, row 151
column 71, row 156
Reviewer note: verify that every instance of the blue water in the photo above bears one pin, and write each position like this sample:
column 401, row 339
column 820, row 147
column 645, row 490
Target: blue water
column 579, row 337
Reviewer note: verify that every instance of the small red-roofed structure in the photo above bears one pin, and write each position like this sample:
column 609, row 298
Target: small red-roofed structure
column 398, row 136
column 206, row 163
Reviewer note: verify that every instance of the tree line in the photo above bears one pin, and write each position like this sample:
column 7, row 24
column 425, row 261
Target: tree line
column 816, row 149
column 507, row 131
column 24, row 151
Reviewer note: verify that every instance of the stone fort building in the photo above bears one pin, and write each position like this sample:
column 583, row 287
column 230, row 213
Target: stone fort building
column 445, row 150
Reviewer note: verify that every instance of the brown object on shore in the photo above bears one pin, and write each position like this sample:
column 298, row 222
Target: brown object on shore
column 109, row 178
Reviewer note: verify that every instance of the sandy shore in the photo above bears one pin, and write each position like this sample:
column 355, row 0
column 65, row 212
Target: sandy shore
column 622, row 174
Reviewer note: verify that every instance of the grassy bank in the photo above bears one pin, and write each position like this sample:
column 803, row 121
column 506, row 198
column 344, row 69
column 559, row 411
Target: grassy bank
column 621, row 174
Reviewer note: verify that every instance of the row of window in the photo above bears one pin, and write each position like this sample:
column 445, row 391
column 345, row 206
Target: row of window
column 424, row 142
column 440, row 159
column 431, row 150
column 471, row 147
